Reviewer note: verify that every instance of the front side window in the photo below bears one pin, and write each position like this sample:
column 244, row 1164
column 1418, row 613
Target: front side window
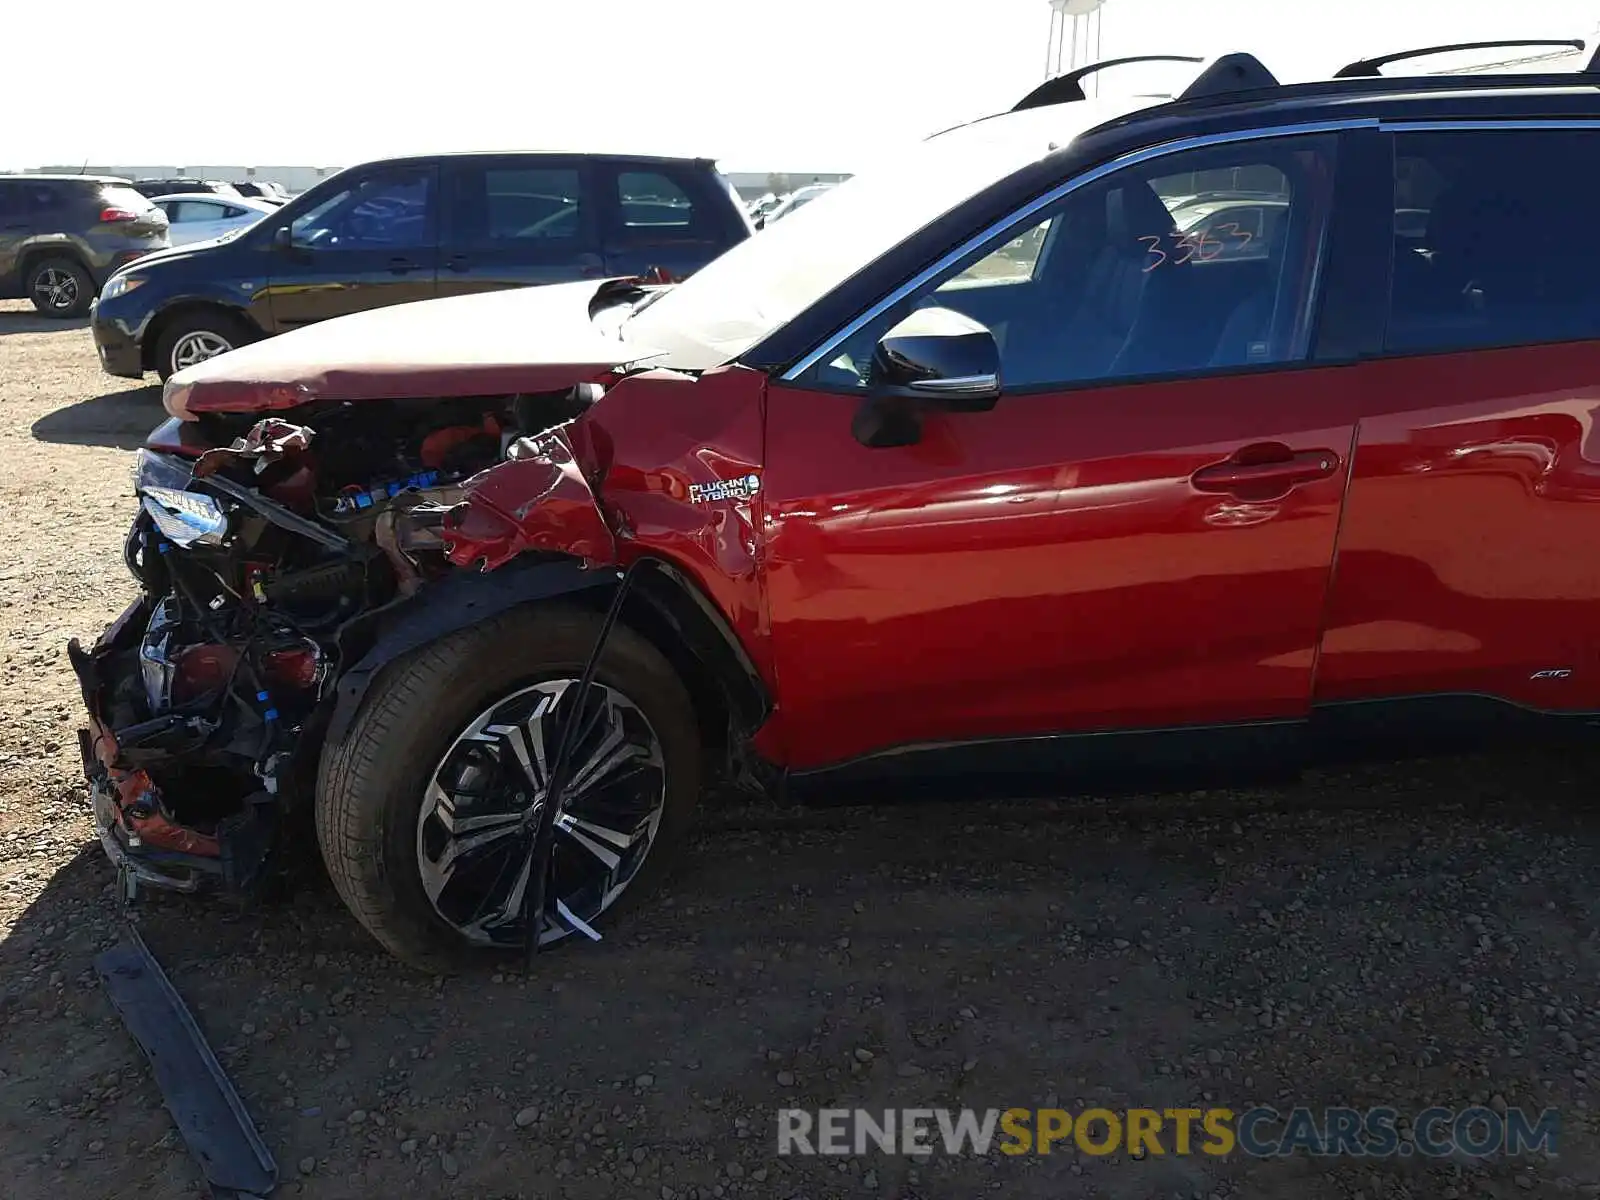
column 1197, row 261
column 391, row 210
column 1491, row 245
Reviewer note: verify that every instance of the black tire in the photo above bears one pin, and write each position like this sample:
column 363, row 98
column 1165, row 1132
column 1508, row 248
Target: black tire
column 371, row 784
column 60, row 287
column 213, row 323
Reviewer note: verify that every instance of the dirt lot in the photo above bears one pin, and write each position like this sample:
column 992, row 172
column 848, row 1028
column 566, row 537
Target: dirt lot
column 1405, row 937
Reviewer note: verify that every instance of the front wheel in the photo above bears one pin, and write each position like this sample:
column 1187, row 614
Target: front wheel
column 196, row 336
column 425, row 808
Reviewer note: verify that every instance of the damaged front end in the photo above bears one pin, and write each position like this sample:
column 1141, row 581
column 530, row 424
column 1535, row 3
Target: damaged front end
column 262, row 565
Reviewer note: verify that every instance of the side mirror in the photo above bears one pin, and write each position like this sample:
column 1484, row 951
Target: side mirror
column 941, row 355
column 937, row 358
column 283, row 238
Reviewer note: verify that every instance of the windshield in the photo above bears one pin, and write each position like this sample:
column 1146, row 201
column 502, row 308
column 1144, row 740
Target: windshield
column 733, row 302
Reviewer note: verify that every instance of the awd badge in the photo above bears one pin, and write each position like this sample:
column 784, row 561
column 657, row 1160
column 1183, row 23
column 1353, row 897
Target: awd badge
column 743, row 488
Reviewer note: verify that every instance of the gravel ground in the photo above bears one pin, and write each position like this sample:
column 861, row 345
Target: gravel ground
column 1405, row 937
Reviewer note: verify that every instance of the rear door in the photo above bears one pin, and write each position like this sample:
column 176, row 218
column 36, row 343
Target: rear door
column 665, row 216
column 370, row 242
column 1467, row 583
column 518, row 221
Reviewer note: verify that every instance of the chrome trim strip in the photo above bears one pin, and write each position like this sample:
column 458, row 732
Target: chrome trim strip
column 1132, row 158
column 957, row 384
column 1444, row 126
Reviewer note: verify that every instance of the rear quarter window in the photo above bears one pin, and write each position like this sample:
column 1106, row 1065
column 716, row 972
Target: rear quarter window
column 655, row 207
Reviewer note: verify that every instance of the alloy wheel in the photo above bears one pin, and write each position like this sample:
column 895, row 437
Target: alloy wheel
column 196, row 347
column 475, row 830
column 57, row 289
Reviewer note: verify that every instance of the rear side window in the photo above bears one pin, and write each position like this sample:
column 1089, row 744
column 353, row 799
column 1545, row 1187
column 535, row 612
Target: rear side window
column 183, row 211
column 502, row 206
column 38, row 199
column 1492, row 241
column 533, row 203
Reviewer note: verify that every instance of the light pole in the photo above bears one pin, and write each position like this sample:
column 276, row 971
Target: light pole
column 1074, row 36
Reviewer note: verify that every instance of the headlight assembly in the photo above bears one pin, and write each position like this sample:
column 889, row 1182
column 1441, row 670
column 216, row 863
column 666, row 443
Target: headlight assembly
column 121, row 285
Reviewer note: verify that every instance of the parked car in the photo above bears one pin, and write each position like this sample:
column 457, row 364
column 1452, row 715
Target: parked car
column 167, row 187
column 761, row 206
column 796, row 200
column 496, row 586
column 413, row 229
column 61, row 236
column 203, row 216
column 263, row 189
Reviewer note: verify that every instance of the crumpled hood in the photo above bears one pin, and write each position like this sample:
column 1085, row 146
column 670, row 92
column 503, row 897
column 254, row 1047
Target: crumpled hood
column 534, row 339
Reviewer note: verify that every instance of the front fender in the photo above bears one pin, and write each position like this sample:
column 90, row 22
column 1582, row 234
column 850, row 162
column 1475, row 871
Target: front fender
column 536, row 500
column 460, row 599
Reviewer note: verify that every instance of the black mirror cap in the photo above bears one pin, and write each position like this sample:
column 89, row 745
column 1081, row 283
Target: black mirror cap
column 939, row 355
column 283, row 238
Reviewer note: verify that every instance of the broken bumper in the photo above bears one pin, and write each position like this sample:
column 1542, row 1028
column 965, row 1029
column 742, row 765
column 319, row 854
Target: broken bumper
column 136, row 829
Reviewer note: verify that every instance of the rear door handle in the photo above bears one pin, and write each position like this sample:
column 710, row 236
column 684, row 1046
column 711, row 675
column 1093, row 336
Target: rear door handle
column 458, row 262
column 1245, row 472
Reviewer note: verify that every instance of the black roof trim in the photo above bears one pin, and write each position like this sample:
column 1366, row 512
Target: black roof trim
column 1367, row 68
column 1067, row 88
column 1230, row 73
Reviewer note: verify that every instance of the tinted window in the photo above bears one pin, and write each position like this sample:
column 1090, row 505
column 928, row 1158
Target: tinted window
column 184, row 211
column 40, row 198
column 652, row 201
column 1491, row 244
column 392, row 209
column 1191, row 262
column 533, row 204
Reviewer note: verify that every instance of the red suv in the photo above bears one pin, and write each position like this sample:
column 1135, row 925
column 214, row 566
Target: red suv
column 1086, row 441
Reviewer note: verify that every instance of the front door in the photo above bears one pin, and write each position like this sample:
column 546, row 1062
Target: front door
column 370, row 243
column 1138, row 536
column 516, row 222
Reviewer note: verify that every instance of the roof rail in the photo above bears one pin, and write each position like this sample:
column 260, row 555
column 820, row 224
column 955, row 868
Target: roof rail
column 1370, row 67
column 1230, row 73
column 1065, row 89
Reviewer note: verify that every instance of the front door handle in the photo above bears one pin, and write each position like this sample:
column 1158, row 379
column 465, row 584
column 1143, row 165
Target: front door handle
column 1268, row 468
column 399, row 266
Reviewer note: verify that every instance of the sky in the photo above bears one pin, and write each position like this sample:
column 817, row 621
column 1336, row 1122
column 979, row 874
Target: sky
column 814, row 85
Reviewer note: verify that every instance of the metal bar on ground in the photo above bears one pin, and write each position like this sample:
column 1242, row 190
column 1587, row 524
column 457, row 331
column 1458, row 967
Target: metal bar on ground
column 207, row 1110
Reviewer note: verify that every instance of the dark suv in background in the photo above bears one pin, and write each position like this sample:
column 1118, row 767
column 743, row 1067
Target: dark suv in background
column 61, row 236
column 183, row 183
column 412, row 229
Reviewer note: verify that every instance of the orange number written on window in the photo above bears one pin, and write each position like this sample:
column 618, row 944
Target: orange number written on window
column 1201, row 245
